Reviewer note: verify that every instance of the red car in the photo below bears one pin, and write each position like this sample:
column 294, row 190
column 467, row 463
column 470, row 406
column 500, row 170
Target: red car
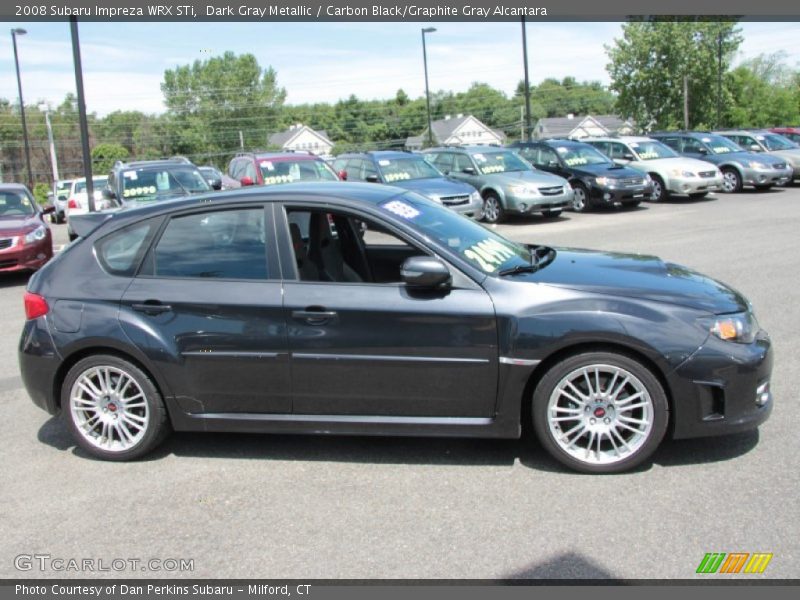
column 793, row 133
column 271, row 168
column 25, row 239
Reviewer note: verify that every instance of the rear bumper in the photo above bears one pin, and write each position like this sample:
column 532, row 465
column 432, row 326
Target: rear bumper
column 38, row 364
column 722, row 388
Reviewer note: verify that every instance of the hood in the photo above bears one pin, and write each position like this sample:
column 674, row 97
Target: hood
column 679, row 162
column 435, row 186
column 607, row 170
column 638, row 276
column 517, row 177
column 14, row 225
column 792, row 156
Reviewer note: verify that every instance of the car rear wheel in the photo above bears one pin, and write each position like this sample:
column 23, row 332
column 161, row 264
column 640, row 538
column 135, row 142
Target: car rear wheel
column 493, row 211
column 600, row 412
column 112, row 408
column 580, row 198
column 731, row 181
column 659, row 189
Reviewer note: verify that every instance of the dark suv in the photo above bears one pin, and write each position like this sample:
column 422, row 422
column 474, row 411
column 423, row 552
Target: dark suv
column 596, row 180
column 149, row 180
column 412, row 172
column 271, row 168
column 739, row 167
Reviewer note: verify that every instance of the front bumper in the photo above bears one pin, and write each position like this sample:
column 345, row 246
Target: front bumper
column 620, row 195
column 472, row 208
column 766, row 176
column 26, row 257
column 528, row 204
column 693, row 185
column 722, row 388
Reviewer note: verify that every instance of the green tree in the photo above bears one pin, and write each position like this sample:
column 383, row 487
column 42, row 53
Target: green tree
column 210, row 102
column 648, row 65
column 764, row 92
column 105, row 155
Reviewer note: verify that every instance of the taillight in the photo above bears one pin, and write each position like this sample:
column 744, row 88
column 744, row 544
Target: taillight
column 35, row 306
column 72, row 203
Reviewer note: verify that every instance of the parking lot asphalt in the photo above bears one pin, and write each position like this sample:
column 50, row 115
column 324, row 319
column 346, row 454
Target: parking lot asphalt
column 359, row 507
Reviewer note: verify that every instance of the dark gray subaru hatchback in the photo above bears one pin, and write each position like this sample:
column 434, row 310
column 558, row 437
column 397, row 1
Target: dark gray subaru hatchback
column 367, row 309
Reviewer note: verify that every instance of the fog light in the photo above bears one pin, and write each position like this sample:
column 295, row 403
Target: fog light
column 685, row 187
column 523, row 206
column 763, row 394
column 606, row 196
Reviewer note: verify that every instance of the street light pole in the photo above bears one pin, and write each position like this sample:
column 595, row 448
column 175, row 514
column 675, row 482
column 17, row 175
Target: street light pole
column 14, row 33
column 87, row 154
column 427, row 92
column 527, row 84
column 51, row 141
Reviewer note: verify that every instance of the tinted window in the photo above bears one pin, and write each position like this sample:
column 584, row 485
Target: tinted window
column 691, row 145
column 121, row 252
column 227, row 244
column 546, row 156
column 15, row 204
column 442, row 161
column 461, row 162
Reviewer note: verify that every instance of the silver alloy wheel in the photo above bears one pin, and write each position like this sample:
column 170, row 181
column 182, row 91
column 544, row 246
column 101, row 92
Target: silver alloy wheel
column 491, row 209
column 109, row 408
column 730, row 181
column 578, row 199
column 657, row 191
column 600, row 414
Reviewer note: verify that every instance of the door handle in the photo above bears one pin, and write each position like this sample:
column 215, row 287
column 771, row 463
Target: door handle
column 151, row 307
column 314, row 317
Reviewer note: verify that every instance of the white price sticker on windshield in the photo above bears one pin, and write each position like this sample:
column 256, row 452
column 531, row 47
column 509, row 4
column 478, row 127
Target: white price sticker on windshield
column 401, row 209
column 130, row 175
column 384, row 163
column 267, row 164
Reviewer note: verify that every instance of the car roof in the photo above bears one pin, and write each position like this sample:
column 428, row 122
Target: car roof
column 379, row 154
column 468, row 149
column 13, row 187
column 156, row 164
column 622, row 138
column 278, row 156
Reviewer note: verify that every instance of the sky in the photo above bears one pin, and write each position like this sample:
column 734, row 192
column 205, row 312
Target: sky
column 123, row 63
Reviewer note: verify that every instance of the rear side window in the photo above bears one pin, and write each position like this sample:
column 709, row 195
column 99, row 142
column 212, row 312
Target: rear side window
column 229, row 244
column 121, row 252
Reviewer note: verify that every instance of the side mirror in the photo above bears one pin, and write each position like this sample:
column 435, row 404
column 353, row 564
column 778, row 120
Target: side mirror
column 425, row 272
column 755, row 147
column 216, row 184
column 468, row 170
column 702, row 150
column 108, row 194
column 371, row 179
column 246, row 180
column 343, row 175
column 627, row 157
column 553, row 164
column 46, row 210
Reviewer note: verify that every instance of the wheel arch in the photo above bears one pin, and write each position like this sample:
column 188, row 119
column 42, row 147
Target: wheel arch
column 600, row 346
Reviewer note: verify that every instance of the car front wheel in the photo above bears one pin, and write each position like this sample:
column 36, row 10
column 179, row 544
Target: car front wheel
column 112, row 408
column 659, row 189
column 731, row 181
column 600, row 412
column 492, row 208
column 580, row 198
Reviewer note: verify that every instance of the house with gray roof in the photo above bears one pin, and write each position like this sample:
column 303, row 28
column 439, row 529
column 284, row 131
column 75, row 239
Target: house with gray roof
column 302, row 137
column 458, row 130
column 575, row 127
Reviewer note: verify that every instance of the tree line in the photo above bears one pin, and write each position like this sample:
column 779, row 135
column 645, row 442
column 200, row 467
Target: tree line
column 215, row 107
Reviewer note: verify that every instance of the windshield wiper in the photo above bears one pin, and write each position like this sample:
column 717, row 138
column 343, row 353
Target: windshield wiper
column 531, row 268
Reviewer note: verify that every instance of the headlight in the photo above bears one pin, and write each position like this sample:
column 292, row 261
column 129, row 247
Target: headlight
column 522, row 190
column 647, row 178
column 602, row 180
column 475, row 196
column 740, row 327
column 679, row 173
column 754, row 164
column 435, row 198
column 36, row 235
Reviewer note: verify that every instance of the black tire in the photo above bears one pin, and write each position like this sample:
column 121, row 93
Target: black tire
column 653, row 406
column 493, row 211
column 731, row 180
column 659, row 189
column 551, row 214
column 154, row 413
column 698, row 195
column 580, row 199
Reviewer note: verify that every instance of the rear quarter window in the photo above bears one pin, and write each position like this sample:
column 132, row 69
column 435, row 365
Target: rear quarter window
column 121, row 252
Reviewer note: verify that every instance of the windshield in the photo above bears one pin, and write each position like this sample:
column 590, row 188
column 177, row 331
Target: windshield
column 776, row 142
column 721, row 145
column 289, row 171
column 150, row 184
column 15, row 205
column 500, row 162
column 404, row 169
column 576, row 156
column 97, row 184
column 652, row 150
column 484, row 249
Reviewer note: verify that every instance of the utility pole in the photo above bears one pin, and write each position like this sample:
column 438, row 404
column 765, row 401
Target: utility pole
column 241, row 140
column 14, row 34
column 527, row 136
column 427, row 91
column 719, row 78
column 87, row 154
column 53, row 159
column 686, row 103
